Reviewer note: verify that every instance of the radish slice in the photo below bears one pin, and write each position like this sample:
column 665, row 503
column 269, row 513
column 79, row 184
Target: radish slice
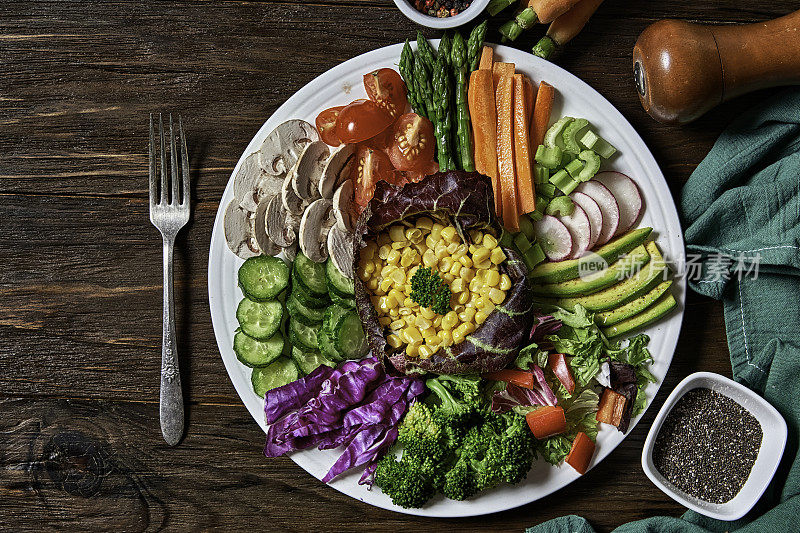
column 554, row 238
column 578, row 225
column 608, row 207
column 627, row 194
column 585, row 202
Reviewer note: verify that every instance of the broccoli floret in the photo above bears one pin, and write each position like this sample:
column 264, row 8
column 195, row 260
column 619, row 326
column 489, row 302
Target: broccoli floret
column 459, row 482
column 502, row 451
column 429, row 290
column 406, row 481
column 422, row 433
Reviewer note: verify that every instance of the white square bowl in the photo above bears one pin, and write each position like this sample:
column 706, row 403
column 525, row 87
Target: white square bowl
column 769, row 456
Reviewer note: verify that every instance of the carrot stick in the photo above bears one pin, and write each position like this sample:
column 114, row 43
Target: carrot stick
column 504, row 102
column 547, row 421
column 502, row 69
column 541, row 113
column 530, row 97
column 610, row 407
column 526, row 198
column 548, row 10
column 487, row 58
column 568, row 25
column 581, row 453
column 483, row 113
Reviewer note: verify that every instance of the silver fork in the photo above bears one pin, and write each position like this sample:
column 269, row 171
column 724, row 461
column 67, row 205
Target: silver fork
column 169, row 212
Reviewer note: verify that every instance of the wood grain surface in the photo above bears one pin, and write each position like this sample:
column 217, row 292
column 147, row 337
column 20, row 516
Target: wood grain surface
column 80, row 286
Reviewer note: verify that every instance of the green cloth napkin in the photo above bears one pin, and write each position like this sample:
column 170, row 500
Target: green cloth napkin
column 741, row 209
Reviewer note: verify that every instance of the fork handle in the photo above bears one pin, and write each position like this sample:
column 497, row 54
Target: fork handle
column 171, row 401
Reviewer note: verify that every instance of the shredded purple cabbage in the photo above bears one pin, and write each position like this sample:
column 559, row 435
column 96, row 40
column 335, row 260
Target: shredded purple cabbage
column 514, row 395
column 356, row 405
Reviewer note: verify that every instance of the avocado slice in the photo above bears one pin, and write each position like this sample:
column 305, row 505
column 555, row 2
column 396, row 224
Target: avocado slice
column 625, row 291
column 607, row 277
column 661, row 307
column 551, row 272
column 614, row 316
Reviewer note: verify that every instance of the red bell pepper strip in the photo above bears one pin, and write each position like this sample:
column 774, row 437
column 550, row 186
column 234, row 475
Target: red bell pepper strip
column 581, row 453
column 547, row 421
column 558, row 364
column 517, row 377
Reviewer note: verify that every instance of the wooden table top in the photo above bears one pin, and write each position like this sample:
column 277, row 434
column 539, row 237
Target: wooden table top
column 80, row 303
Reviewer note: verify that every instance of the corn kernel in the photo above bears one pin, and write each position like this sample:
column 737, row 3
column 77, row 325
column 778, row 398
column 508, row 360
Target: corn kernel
column 457, row 285
column 463, row 297
column 395, row 314
column 456, row 268
column 429, row 258
column 410, row 320
column 436, row 231
column 428, row 333
column 458, row 308
column 383, row 251
column 475, row 285
column 399, row 245
column 505, row 282
column 397, row 233
column 428, row 313
column 424, row 223
column 394, row 341
column 397, row 295
column 449, row 320
column 484, row 303
column 425, row 351
column 449, row 234
column 476, row 236
column 412, row 350
column 386, row 284
column 460, row 333
column 461, row 249
column 382, row 304
column 387, row 270
column 469, row 327
column 384, row 321
column 363, row 275
column 497, row 296
column 492, row 278
column 482, row 265
column 435, row 340
column 397, row 325
column 393, row 258
column 422, row 323
column 472, row 248
column 467, row 274
column 445, row 264
column 398, row 277
column 481, row 316
column 480, row 255
column 413, row 235
column 437, row 322
column 408, row 303
column 448, row 278
column 441, row 250
column 483, row 290
column 447, row 337
column 412, row 335
column 430, row 242
column 452, row 247
column 497, row 256
column 467, row 315
column 372, row 284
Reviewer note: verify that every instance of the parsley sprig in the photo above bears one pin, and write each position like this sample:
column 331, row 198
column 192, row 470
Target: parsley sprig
column 429, row 290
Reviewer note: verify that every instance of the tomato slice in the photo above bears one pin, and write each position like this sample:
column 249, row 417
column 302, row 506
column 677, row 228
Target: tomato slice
column 412, row 142
column 326, row 125
column 385, row 87
column 370, row 167
column 361, row 120
column 432, row 167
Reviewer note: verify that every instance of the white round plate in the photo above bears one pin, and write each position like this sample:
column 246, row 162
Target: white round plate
column 339, row 86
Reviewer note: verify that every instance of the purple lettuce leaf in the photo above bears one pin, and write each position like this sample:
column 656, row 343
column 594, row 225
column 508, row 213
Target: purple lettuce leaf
column 466, row 198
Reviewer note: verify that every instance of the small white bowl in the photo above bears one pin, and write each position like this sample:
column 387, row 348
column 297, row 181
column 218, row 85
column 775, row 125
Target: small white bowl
column 474, row 9
column 773, row 442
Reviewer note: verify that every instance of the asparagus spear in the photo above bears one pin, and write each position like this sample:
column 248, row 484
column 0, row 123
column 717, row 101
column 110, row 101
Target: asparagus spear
column 524, row 20
column 425, row 51
column 424, row 90
column 474, row 45
column 442, row 96
column 445, row 45
column 496, row 6
column 459, row 60
column 444, row 51
column 406, row 67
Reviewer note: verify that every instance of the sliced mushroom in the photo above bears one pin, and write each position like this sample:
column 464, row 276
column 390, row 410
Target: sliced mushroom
column 342, row 203
column 313, row 230
column 277, row 231
column 308, row 170
column 259, row 225
column 238, row 231
column 282, row 147
column 337, row 170
column 291, row 202
column 340, row 248
column 245, row 182
column 291, row 251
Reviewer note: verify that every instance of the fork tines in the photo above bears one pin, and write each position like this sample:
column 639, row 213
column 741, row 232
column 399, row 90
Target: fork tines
column 168, row 190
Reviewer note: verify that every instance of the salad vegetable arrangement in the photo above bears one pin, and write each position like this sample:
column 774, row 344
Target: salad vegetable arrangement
column 453, row 281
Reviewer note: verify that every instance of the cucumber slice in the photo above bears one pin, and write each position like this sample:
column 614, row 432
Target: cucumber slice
column 263, row 277
column 338, row 282
column 307, row 362
column 255, row 353
column 259, row 320
column 327, row 347
column 280, row 372
column 302, row 313
column 309, row 300
column 302, row 336
column 348, row 303
column 310, row 275
column 333, row 315
column 349, row 337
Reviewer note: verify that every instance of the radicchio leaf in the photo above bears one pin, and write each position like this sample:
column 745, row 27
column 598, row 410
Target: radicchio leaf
column 514, row 395
column 544, row 325
column 466, row 198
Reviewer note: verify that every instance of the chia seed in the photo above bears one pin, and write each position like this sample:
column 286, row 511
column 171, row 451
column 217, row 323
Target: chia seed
column 441, row 8
column 707, row 445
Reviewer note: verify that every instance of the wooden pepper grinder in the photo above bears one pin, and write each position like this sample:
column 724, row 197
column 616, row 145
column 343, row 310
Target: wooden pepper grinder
column 682, row 70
